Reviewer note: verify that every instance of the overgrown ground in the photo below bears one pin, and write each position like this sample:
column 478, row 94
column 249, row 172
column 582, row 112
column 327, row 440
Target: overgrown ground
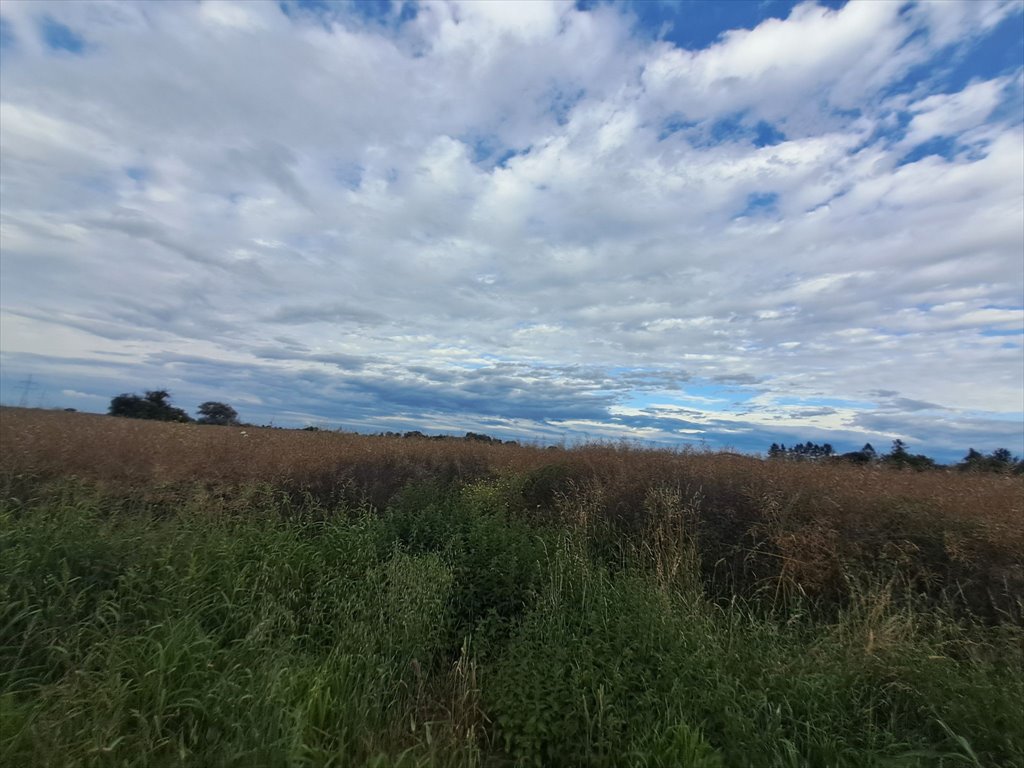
column 186, row 595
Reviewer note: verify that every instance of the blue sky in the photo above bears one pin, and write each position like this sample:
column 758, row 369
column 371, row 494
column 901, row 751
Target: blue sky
column 685, row 223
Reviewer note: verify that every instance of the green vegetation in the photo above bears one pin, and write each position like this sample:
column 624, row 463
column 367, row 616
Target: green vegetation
column 155, row 405
column 221, row 414
column 190, row 596
column 248, row 628
column 1000, row 460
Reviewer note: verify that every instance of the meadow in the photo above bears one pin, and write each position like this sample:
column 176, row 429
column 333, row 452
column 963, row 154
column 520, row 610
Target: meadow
column 185, row 595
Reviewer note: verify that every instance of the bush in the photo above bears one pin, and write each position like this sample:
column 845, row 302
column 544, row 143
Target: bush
column 217, row 413
column 154, row 405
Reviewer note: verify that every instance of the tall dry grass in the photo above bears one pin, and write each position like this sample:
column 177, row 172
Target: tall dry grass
column 777, row 528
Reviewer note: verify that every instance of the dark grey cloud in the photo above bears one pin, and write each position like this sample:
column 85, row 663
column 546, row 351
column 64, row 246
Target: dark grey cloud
column 299, row 354
column 325, row 313
column 805, row 413
column 906, row 404
column 272, row 160
column 743, row 379
column 137, row 225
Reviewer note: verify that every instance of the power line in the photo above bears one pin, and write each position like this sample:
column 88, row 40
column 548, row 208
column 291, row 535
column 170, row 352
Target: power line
column 23, row 402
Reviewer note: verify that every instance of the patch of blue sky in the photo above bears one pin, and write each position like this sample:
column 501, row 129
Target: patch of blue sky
column 588, row 5
column 384, row 12
column 503, row 159
column 760, row 204
column 1002, row 332
column 735, row 128
column 490, row 152
column 484, row 148
column 714, row 391
column 8, row 40
column 136, row 173
column 318, row 11
column 912, row 77
column 696, row 24
column 975, row 150
column 349, row 175
column 767, row 135
column 713, row 398
column 728, row 129
column 1000, row 52
column 60, row 37
column 946, row 147
column 379, row 13
column 560, row 102
column 674, row 125
column 886, row 133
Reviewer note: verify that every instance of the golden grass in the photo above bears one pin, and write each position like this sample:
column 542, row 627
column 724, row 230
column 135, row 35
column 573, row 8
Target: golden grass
column 795, row 524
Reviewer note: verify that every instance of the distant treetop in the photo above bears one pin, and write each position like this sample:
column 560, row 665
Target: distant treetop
column 153, row 405
column 222, row 414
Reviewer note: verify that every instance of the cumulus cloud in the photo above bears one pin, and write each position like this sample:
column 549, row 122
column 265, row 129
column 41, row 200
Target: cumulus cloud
column 525, row 216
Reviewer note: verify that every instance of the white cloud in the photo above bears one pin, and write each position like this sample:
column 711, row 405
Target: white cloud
column 370, row 208
column 950, row 21
column 787, row 70
column 952, row 114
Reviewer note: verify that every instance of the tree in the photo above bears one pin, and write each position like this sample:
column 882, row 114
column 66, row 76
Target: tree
column 154, row 405
column 800, row 451
column 899, row 456
column 1002, row 456
column 856, row 457
column 972, row 461
column 212, row 412
column 1000, row 460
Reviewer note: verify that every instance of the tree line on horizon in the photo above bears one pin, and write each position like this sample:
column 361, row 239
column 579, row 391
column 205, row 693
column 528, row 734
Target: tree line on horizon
column 155, row 405
column 1000, row 460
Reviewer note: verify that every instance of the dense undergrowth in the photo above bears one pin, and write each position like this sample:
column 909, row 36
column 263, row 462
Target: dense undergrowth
column 448, row 631
column 512, row 606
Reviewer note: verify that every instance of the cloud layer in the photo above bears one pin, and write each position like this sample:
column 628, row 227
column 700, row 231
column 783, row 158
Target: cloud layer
column 530, row 219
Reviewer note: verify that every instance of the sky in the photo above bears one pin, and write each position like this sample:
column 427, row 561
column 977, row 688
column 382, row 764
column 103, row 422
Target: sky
column 681, row 223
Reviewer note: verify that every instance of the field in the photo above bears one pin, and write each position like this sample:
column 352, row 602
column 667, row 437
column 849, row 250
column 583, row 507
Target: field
column 174, row 594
